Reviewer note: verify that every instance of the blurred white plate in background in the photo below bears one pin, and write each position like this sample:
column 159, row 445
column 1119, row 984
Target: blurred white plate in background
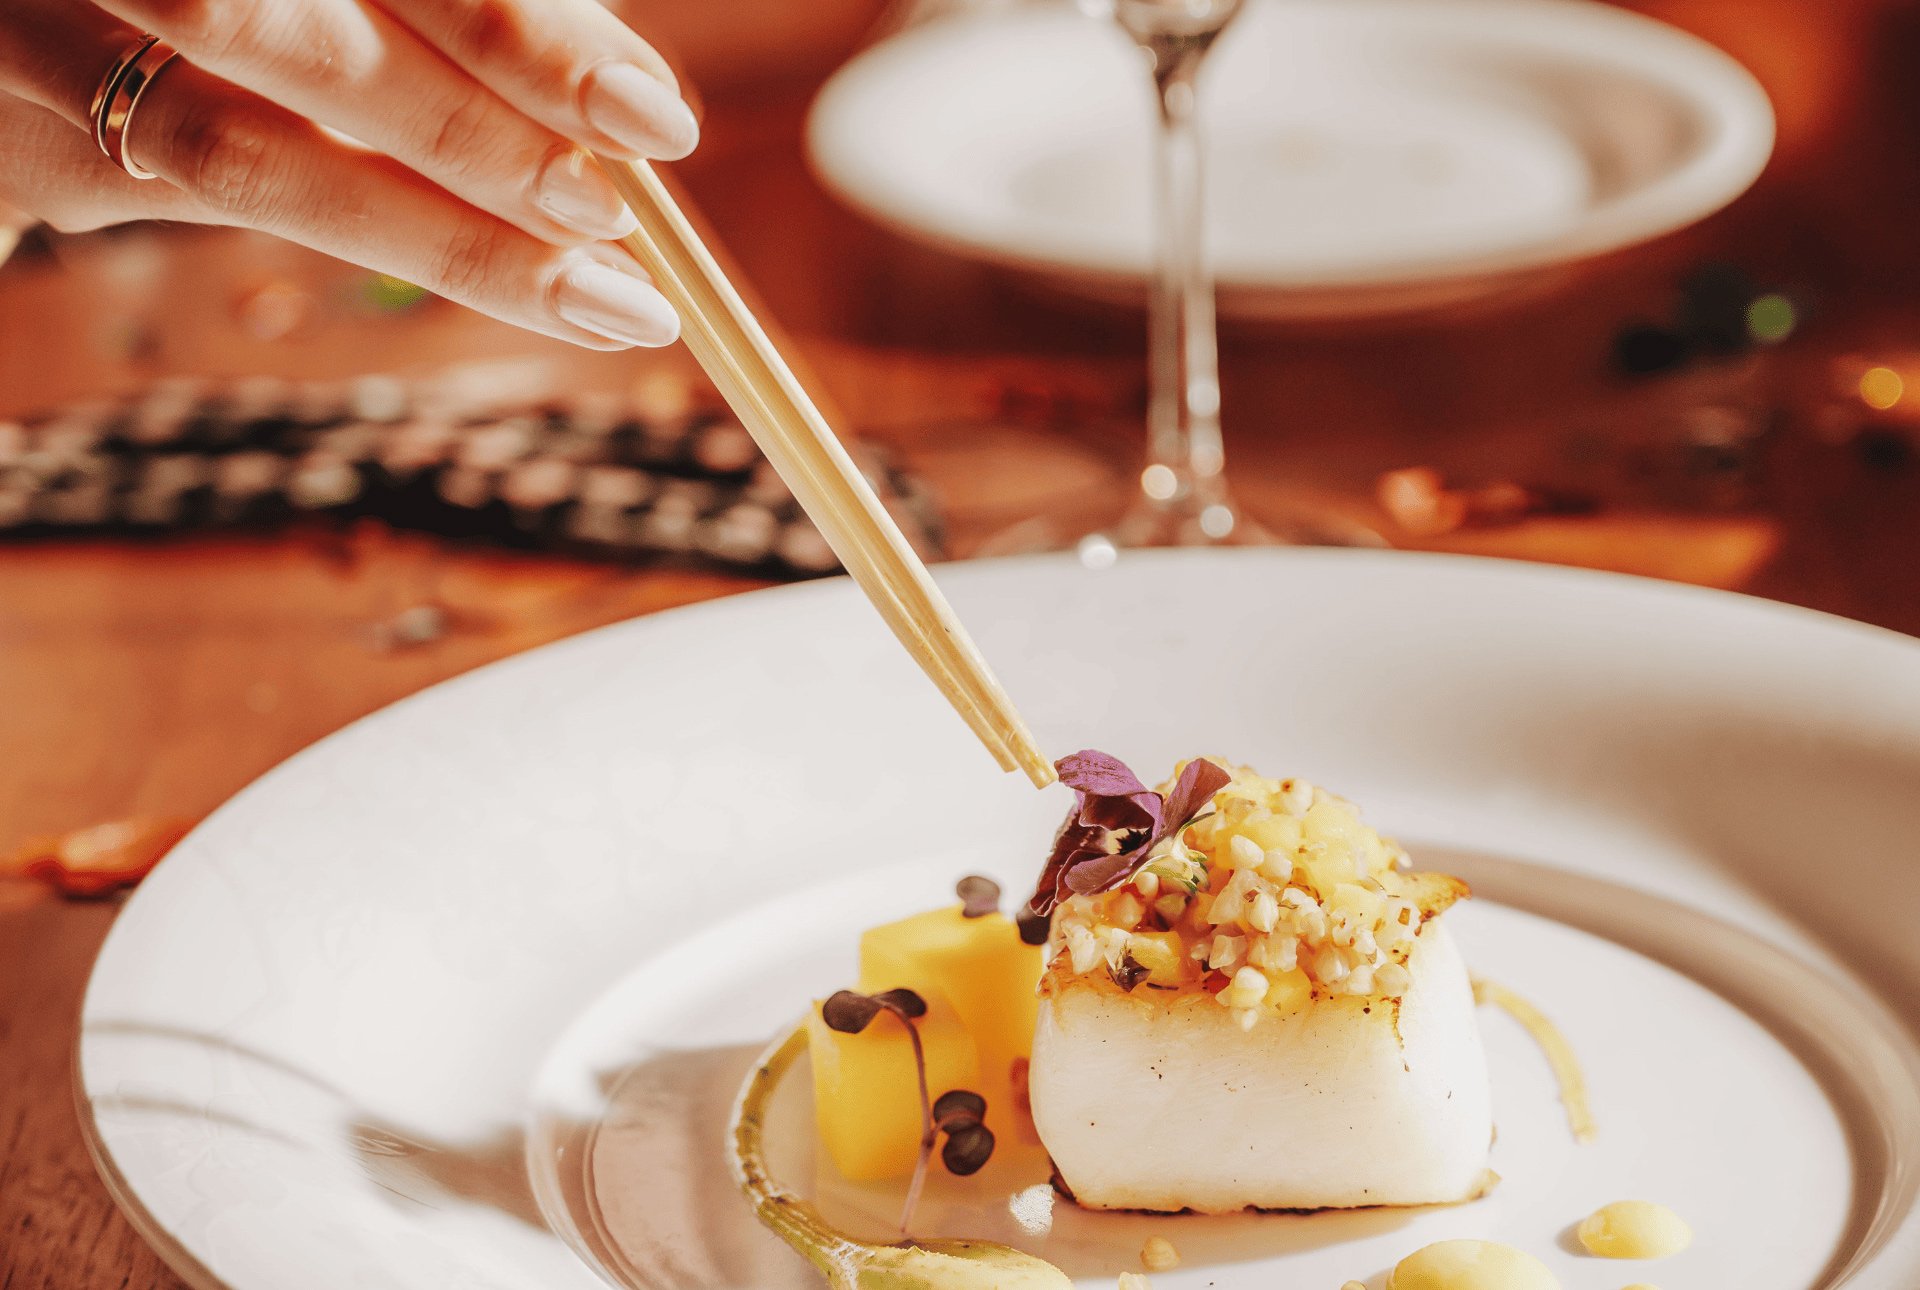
column 1367, row 156
column 457, row 999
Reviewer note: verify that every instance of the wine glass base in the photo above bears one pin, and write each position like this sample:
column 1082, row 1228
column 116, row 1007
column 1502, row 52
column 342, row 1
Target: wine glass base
column 1145, row 527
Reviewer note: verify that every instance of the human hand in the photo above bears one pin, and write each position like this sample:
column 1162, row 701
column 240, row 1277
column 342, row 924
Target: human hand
column 475, row 116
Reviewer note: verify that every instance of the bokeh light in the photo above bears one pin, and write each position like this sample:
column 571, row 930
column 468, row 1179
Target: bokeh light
column 1771, row 318
column 1881, row 388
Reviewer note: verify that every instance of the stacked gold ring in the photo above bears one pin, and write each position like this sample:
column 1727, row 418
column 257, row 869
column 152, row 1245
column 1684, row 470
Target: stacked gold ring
column 119, row 94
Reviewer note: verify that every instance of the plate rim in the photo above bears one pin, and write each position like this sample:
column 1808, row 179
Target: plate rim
column 952, row 572
column 1716, row 174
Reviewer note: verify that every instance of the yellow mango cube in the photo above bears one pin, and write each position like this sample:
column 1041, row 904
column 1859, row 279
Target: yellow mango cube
column 866, row 1093
column 1332, row 824
column 1332, row 833
column 991, row 976
column 1362, row 905
column 1276, row 833
column 1289, row 992
column 1161, row 954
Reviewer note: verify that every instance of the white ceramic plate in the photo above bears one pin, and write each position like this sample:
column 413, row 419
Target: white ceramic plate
column 458, row 997
column 1367, row 156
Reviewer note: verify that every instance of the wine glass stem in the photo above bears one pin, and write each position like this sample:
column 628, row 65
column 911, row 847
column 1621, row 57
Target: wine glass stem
column 1184, row 451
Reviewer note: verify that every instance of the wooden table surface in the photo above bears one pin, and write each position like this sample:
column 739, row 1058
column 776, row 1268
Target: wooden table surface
column 156, row 679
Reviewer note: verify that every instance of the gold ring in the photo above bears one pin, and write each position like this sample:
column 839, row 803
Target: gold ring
column 119, row 94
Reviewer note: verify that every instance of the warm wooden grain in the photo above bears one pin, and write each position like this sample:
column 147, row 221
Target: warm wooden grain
column 57, row 1228
column 159, row 679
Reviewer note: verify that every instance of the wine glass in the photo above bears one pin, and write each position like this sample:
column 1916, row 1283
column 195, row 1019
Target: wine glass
column 1182, row 498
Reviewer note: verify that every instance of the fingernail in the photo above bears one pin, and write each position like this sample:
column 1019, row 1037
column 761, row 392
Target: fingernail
column 613, row 304
column 633, row 106
column 570, row 190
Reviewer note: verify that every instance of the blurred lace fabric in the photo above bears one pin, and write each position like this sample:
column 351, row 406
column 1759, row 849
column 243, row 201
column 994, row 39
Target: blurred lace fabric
column 662, row 471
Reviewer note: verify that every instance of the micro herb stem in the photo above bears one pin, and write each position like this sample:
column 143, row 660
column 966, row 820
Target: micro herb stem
column 927, row 1130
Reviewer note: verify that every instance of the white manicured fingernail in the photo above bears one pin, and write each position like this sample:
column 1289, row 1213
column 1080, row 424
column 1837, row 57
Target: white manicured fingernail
column 571, row 191
column 613, row 304
column 636, row 108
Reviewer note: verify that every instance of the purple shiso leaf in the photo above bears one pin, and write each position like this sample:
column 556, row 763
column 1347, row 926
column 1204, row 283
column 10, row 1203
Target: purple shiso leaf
column 1138, row 814
column 1109, row 795
column 1191, row 793
column 1074, row 843
column 1102, row 872
column 1098, row 774
column 1112, row 804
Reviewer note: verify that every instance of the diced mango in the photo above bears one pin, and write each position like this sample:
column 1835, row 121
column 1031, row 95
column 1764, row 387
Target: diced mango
column 1162, row 955
column 1331, row 834
column 866, row 1094
column 992, row 977
column 1276, row 833
column 1289, row 991
column 1362, row 905
column 1331, row 822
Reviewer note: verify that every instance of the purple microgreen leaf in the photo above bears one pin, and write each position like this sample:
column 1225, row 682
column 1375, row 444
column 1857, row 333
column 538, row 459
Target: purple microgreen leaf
column 1098, row 774
column 1137, row 814
column 1034, row 927
column 967, row 1148
column 978, row 896
column 957, row 1105
column 1195, row 788
column 849, row 1011
column 1074, row 843
column 1104, row 872
column 1109, row 795
column 903, row 1001
column 1115, row 823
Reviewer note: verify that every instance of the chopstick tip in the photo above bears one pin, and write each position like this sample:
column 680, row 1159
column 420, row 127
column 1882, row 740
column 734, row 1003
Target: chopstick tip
column 1037, row 767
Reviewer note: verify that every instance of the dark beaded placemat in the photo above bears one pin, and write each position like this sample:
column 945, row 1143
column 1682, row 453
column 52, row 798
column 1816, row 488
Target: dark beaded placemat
column 596, row 475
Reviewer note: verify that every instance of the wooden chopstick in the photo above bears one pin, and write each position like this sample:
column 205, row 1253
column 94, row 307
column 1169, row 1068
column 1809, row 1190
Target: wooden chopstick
column 757, row 383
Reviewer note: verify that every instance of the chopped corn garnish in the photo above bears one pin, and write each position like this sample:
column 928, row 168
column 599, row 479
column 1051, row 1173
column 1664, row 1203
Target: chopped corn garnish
column 1276, row 895
column 1249, row 988
column 1277, row 866
column 1265, row 913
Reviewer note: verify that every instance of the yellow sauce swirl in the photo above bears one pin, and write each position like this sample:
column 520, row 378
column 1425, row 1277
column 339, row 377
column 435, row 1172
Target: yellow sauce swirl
column 1559, row 1054
column 847, row 1262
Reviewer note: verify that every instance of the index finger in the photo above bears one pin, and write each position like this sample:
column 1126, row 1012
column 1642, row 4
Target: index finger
column 568, row 64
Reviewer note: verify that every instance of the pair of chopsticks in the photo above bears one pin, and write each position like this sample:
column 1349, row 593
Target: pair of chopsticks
column 763, row 392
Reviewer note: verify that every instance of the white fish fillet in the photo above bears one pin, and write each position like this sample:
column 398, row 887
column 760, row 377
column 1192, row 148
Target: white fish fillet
column 1158, row 1100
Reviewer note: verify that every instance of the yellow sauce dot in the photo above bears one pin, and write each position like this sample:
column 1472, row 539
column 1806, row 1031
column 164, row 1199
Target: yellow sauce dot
column 1471, row 1265
column 1641, row 1285
column 1634, row 1229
